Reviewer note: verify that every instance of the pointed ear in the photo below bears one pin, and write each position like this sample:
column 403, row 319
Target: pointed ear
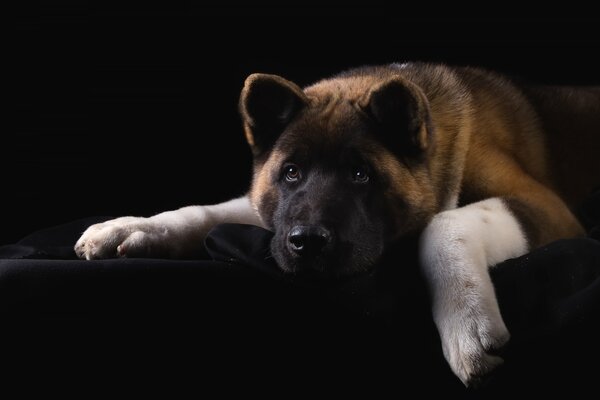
column 400, row 113
column 267, row 104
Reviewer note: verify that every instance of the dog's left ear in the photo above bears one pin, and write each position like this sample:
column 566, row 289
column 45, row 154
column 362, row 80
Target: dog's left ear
column 267, row 104
column 400, row 112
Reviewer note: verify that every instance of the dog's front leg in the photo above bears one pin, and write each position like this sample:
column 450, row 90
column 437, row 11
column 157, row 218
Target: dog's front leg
column 172, row 234
column 457, row 248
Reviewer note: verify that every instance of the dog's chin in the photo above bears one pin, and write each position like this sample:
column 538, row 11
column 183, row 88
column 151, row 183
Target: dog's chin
column 321, row 267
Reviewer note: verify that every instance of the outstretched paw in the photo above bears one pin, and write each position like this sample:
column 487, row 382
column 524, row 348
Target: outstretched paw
column 121, row 237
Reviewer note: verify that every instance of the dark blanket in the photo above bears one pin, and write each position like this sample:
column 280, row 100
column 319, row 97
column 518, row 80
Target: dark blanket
column 235, row 318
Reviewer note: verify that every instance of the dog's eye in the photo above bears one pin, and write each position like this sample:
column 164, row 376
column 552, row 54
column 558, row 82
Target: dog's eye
column 291, row 172
column 360, row 175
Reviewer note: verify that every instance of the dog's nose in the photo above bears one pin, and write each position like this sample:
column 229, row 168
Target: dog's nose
column 307, row 240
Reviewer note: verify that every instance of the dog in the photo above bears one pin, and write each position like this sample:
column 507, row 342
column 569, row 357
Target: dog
column 482, row 167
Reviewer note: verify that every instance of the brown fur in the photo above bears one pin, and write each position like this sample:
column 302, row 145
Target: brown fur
column 485, row 137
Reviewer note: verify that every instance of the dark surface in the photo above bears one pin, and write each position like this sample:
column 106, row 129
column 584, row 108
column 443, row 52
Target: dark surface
column 236, row 311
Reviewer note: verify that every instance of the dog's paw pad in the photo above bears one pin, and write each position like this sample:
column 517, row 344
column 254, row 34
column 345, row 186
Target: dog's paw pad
column 471, row 342
column 115, row 238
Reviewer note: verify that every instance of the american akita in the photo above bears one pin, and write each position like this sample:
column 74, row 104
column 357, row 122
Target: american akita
column 481, row 167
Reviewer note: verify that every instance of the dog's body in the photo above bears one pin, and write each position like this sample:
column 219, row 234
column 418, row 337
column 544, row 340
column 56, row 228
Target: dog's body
column 475, row 164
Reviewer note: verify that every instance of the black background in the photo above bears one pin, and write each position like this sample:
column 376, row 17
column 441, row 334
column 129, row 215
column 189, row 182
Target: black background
column 132, row 110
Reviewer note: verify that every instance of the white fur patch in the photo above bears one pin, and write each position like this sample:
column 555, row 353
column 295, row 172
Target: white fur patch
column 400, row 65
column 174, row 234
column 456, row 250
column 489, row 231
column 238, row 211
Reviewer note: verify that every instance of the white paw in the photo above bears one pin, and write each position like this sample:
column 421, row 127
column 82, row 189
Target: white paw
column 122, row 237
column 471, row 337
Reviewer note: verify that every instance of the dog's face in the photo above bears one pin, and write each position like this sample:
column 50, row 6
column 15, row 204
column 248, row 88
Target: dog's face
column 340, row 168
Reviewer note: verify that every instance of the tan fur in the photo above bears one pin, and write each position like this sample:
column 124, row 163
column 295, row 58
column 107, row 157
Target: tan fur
column 416, row 189
column 571, row 121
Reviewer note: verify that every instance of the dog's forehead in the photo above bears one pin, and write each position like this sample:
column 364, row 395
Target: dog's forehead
column 334, row 109
column 333, row 124
column 325, row 131
column 330, row 117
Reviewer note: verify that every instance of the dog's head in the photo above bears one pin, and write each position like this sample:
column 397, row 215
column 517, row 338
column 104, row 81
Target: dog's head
column 340, row 168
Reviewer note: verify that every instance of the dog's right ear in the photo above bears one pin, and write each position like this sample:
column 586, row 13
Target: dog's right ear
column 267, row 104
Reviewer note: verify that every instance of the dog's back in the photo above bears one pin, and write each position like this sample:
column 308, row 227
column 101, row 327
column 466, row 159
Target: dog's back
column 570, row 118
column 552, row 132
